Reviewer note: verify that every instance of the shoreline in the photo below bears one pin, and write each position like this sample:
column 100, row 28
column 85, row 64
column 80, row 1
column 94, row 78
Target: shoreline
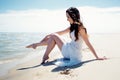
column 8, row 64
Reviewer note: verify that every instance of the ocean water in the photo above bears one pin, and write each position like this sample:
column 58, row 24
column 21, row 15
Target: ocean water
column 13, row 45
column 13, row 49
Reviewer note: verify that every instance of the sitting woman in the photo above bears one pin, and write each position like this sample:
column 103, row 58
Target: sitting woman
column 71, row 51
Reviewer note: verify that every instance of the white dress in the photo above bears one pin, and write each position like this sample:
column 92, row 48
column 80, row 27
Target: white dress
column 71, row 52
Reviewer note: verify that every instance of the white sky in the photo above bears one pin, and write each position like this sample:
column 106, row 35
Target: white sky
column 96, row 20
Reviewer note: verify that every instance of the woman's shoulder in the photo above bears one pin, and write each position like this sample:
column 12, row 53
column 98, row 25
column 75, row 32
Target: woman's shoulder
column 82, row 30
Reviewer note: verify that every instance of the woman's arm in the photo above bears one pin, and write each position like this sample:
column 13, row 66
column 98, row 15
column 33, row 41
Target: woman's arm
column 63, row 31
column 85, row 38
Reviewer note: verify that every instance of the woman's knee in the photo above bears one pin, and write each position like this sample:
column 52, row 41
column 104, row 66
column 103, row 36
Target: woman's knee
column 51, row 38
column 54, row 36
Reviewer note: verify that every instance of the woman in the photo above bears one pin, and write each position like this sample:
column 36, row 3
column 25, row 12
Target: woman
column 71, row 51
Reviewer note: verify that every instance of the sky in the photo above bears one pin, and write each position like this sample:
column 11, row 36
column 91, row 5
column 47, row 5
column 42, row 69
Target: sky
column 98, row 16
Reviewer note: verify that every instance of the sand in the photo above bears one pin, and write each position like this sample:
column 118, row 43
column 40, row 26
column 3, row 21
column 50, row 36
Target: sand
column 89, row 69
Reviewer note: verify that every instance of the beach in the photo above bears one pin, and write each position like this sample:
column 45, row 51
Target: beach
column 89, row 69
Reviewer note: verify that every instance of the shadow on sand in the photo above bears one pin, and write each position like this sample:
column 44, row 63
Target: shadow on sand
column 45, row 64
column 72, row 67
column 56, row 69
column 29, row 67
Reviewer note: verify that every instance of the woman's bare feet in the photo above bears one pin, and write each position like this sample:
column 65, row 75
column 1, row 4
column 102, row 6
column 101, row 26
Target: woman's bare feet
column 34, row 46
column 45, row 59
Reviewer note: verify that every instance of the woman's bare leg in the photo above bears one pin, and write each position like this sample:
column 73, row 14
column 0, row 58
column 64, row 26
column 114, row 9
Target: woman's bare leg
column 54, row 39
column 43, row 42
column 50, row 41
column 50, row 46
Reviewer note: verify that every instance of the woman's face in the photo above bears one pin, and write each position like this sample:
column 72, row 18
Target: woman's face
column 69, row 18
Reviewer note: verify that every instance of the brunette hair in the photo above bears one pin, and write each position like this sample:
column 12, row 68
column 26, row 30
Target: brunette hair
column 75, row 15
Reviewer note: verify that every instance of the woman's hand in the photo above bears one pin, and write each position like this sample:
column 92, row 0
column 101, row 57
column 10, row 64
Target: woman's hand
column 103, row 58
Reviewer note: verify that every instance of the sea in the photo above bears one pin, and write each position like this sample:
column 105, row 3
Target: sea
column 13, row 44
column 13, row 48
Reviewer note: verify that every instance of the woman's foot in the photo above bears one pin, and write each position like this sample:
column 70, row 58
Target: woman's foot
column 45, row 59
column 32, row 46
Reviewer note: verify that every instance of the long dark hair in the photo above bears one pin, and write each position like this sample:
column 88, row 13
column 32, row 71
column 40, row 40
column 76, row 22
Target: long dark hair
column 75, row 15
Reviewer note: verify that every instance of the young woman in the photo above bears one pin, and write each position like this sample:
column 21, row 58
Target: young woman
column 71, row 51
